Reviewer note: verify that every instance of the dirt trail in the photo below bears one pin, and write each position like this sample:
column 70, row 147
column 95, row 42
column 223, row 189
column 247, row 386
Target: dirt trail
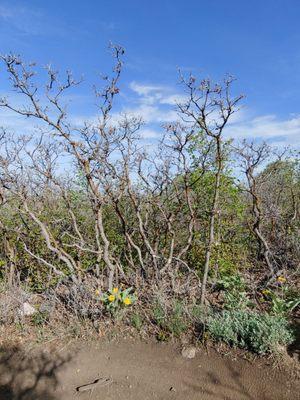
column 138, row 371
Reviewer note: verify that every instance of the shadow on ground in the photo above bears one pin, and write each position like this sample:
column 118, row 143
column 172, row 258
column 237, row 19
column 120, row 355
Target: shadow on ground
column 230, row 387
column 26, row 376
column 238, row 386
column 239, row 380
column 294, row 348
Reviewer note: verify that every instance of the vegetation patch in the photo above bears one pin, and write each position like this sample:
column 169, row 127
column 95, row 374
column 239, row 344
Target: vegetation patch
column 258, row 332
column 194, row 234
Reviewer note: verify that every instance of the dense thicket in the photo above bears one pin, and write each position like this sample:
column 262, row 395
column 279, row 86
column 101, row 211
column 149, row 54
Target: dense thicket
column 90, row 201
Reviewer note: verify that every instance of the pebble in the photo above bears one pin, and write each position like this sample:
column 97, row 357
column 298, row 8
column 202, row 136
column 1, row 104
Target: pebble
column 188, row 352
column 27, row 309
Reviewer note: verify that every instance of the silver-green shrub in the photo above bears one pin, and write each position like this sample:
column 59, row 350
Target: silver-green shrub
column 258, row 332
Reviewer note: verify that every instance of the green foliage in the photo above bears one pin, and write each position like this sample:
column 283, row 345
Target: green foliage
column 232, row 283
column 176, row 321
column 40, row 318
column 235, row 296
column 162, row 336
column 282, row 306
column 231, row 247
column 172, row 321
column 159, row 314
column 199, row 313
column 137, row 321
column 116, row 299
column 258, row 332
column 2, row 268
column 283, row 301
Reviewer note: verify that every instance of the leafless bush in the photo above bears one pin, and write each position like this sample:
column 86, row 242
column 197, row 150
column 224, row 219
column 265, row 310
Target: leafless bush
column 120, row 214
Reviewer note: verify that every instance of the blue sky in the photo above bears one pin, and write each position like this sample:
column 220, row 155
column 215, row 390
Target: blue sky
column 256, row 41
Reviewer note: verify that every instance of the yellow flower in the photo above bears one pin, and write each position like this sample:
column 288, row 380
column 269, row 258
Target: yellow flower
column 97, row 292
column 266, row 292
column 111, row 298
column 127, row 301
column 281, row 279
column 115, row 290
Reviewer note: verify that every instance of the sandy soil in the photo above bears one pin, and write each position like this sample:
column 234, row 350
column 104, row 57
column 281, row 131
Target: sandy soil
column 138, row 371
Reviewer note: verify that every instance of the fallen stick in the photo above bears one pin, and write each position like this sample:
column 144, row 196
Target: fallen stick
column 91, row 386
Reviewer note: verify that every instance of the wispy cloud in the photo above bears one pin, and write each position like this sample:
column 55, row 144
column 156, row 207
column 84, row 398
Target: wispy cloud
column 150, row 134
column 15, row 123
column 269, row 128
column 27, row 20
column 150, row 113
column 33, row 21
column 146, row 90
column 154, row 104
column 151, row 94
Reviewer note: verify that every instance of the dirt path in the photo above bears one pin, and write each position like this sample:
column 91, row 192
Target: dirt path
column 138, row 371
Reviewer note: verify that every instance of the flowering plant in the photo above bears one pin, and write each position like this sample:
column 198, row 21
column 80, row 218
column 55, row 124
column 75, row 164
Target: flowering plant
column 115, row 298
column 281, row 301
column 281, row 279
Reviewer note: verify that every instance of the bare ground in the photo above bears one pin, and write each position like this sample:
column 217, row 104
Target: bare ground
column 138, row 370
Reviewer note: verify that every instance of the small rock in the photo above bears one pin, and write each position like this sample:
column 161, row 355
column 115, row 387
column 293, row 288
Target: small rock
column 188, row 352
column 27, row 309
column 172, row 389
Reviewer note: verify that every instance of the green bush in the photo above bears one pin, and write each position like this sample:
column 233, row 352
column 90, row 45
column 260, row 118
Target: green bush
column 171, row 321
column 137, row 321
column 261, row 333
column 235, row 296
column 40, row 318
column 283, row 301
column 283, row 306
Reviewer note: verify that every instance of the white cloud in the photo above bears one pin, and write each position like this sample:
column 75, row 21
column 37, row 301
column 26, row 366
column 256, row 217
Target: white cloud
column 154, row 104
column 154, row 99
column 151, row 113
column 156, row 94
column 268, row 127
column 281, row 132
column 173, row 99
column 24, row 19
column 16, row 123
column 145, row 90
column 149, row 134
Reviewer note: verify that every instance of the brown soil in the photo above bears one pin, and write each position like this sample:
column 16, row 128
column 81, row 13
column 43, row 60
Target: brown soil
column 138, row 370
